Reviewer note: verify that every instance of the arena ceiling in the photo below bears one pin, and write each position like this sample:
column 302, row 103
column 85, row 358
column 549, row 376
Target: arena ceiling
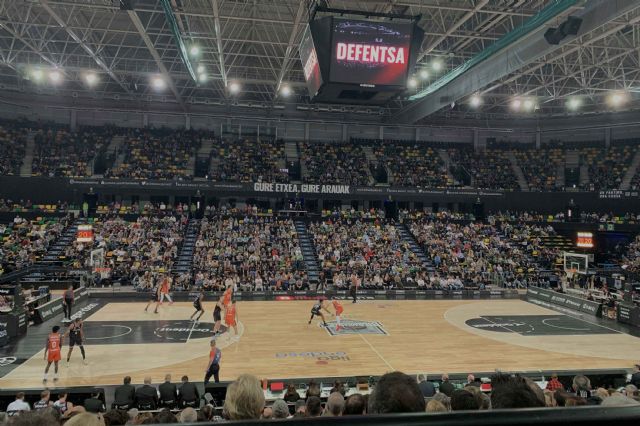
column 255, row 43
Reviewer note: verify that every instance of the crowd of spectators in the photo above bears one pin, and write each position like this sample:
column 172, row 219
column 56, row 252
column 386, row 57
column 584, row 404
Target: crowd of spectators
column 335, row 163
column 481, row 254
column 540, row 167
column 632, row 257
column 413, row 165
column 23, row 242
column 607, row 167
column 13, row 141
column 157, row 154
column 133, row 251
column 61, row 153
column 248, row 160
column 393, row 393
column 371, row 253
column 490, row 169
column 249, row 253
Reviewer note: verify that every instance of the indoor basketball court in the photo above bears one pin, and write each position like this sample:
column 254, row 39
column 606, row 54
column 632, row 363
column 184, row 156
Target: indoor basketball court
column 275, row 341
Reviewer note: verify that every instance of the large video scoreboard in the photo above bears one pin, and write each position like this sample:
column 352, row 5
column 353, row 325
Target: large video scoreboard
column 358, row 61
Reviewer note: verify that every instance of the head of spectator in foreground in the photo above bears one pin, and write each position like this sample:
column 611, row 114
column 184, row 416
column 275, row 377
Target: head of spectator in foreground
column 434, row 406
column 188, row 415
column 514, row 392
column 462, row 400
column 165, row 417
column 313, row 407
column 355, row 405
column 335, row 405
column 85, row 419
column 444, row 399
column 127, row 380
column 245, row 399
column 116, row 417
column 581, row 385
column 396, row 393
column 619, row 400
column 280, row 409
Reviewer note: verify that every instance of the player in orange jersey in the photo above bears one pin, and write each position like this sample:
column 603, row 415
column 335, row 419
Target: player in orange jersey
column 226, row 297
column 231, row 318
column 165, row 285
column 52, row 352
column 339, row 309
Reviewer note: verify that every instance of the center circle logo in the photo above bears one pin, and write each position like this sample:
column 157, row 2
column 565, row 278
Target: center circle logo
column 500, row 326
column 200, row 330
column 7, row 360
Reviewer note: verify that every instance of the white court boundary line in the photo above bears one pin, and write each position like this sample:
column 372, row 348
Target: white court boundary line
column 377, row 353
column 112, row 337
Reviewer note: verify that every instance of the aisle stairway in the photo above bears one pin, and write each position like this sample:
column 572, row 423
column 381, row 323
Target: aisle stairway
column 371, row 158
column 308, row 251
column 517, row 171
column 58, row 248
column 446, row 159
column 27, row 163
column 631, row 172
column 184, row 261
column 407, row 237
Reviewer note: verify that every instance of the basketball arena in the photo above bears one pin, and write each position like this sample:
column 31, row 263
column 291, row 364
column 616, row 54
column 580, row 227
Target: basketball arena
column 385, row 211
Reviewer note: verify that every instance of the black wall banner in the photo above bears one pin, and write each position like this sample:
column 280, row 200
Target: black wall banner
column 550, row 298
column 408, row 294
column 12, row 324
column 629, row 314
column 54, row 307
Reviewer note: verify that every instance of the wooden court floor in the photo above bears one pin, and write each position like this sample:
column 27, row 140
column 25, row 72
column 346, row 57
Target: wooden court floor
column 276, row 342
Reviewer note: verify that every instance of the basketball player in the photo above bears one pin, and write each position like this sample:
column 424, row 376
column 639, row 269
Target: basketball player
column 155, row 297
column 226, row 296
column 164, row 289
column 231, row 318
column 213, row 369
column 76, row 337
column 339, row 309
column 52, row 352
column 217, row 317
column 317, row 310
column 197, row 303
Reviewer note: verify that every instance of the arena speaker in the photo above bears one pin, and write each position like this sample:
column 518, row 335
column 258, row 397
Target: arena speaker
column 553, row 36
column 478, row 209
column 390, row 208
column 571, row 26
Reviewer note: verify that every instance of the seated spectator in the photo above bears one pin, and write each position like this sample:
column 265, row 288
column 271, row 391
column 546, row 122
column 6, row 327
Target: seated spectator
column 464, row 400
column 514, row 392
column 581, row 386
column 147, row 396
column 396, row 393
column 94, row 404
column 189, row 394
column 124, row 395
column 554, row 384
column 188, row 415
column 280, row 409
column 116, row 418
column 355, row 405
column 291, row 395
column 434, row 406
column 168, row 393
column 44, row 402
column 313, row 406
column 426, row 387
column 334, row 405
column 446, row 387
column 18, row 405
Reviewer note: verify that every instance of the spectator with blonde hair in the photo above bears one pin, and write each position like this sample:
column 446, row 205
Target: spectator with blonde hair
column 434, row 406
column 245, row 399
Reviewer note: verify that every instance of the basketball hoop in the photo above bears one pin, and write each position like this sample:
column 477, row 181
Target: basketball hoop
column 571, row 273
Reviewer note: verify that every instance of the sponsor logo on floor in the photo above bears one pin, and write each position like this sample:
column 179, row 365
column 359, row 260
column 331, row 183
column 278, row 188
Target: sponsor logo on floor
column 537, row 325
column 351, row 326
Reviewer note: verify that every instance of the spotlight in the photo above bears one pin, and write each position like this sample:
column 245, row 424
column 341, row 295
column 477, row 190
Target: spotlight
column 158, row 83
column 424, row 74
column 574, row 103
column 195, row 50
column 475, row 101
column 55, row 76
column 528, row 104
column 36, row 74
column 202, row 78
column 91, row 78
column 234, row 88
column 200, row 69
column 285, row 91
column 412, row 83
column 516, row 104
column 616, row 99
column 436, row 65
